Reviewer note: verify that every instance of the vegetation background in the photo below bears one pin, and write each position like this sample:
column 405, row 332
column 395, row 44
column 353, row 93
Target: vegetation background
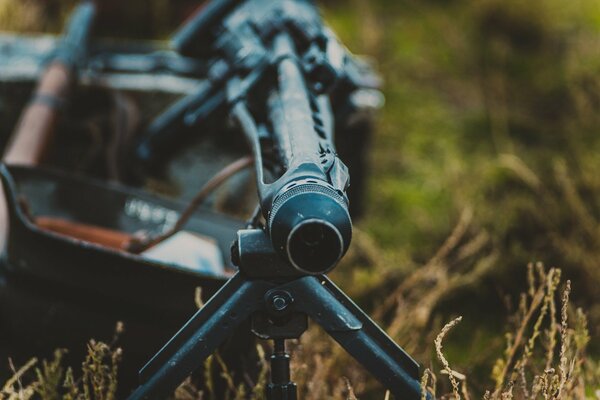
column 485, row 160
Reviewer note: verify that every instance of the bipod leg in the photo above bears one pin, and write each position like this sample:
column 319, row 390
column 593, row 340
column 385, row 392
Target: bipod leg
column 200, row 337
column 345, row 322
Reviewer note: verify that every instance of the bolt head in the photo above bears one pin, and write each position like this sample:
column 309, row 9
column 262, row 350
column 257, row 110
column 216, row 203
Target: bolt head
column 279, row 303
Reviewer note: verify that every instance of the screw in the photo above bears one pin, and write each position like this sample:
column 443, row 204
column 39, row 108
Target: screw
column 278, row 300
column 279, row 303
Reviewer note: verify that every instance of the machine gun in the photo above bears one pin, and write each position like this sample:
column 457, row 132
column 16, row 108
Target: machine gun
column 283, row 78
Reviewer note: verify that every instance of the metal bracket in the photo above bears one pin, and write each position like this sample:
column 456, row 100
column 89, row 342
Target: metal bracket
column 315, row 297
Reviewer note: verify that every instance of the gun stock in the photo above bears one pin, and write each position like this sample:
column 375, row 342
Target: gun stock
column 33, row 135
column 35, row 130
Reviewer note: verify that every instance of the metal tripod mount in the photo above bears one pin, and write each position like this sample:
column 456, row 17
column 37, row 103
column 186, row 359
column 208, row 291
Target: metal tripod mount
column 278, row 300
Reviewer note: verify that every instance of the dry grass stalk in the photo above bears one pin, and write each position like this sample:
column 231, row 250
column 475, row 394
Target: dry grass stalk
column 565, row 381
column 413, row 302
column 13, row 388
column 350, row 390
column 425, row 388
column 259, row 387
column 552, row 281
column 100, row 371
column 320, row 366
column 51, row 381
column 234, row 390
column 541, row 296
column 564, row 339
column 438, row 348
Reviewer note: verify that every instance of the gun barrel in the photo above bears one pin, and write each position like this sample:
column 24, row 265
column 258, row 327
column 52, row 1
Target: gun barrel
column 308, row 220
column 292, row 117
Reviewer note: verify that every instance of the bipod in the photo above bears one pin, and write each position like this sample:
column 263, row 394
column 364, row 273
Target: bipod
column 278, row 302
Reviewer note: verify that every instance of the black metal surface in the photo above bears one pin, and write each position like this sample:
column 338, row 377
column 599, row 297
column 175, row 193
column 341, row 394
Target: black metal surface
column 369, row 344
column 199, row 337
column 309, row 192
column 279, row 59
column 281, row 387
column 315, row 297
column 290, row 327
column 278, row 67
column 257, row 259
column 170, row 126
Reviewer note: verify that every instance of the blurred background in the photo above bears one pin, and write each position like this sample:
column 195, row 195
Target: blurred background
column 485, row 158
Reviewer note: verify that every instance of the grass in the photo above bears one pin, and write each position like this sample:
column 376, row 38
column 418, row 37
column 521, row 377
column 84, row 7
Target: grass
column 486, row 159
column 544, row 357
column 51, row 380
